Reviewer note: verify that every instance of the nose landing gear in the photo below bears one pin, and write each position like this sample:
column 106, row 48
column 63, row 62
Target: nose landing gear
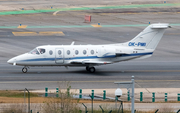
column 24, row 69
column 90, row 69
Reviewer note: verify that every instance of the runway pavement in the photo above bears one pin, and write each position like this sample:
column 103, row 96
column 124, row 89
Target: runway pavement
column 147, row 75
column 162, row 70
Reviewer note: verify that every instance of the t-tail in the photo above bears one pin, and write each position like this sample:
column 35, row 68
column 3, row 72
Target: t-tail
column 149, row 37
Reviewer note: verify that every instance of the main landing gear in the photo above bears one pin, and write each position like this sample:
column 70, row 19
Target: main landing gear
column 24, row 69
column 90, row 69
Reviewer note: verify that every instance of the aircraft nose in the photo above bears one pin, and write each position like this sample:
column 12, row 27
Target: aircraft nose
column 17, row 59
column 11, row 61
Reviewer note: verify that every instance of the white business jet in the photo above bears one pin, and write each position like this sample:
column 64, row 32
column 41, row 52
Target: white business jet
column 142, row 46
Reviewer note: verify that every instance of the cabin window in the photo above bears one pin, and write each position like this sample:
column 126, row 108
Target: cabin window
column 76, row 52
column 59, row 52
column 84, row 52
column 68, row 52
column 50, row 52
column 92, row 52
column 41, row 50
column 34, row 51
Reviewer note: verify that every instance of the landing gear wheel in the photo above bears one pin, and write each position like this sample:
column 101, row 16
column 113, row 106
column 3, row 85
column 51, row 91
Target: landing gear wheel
column 87, row 68
column 92, row 69
column 24, row 70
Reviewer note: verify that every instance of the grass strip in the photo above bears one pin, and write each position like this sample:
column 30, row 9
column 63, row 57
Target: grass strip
column 17, row 94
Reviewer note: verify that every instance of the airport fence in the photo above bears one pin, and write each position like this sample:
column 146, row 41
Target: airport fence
column 69, row 95
column 141, row 97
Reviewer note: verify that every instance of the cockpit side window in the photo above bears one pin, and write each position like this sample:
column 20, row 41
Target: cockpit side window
column 34, row 51
column 41, row 50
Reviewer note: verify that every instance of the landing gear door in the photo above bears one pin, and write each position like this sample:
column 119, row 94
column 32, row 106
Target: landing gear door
column 59, row 56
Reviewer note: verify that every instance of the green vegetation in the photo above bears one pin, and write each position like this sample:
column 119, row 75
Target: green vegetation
column 19, row 94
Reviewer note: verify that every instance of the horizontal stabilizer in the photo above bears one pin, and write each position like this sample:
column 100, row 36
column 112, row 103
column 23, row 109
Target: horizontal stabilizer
column 160, row 26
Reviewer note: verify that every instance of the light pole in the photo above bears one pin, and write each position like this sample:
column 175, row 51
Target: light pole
column 132, row 95
column 28, row 100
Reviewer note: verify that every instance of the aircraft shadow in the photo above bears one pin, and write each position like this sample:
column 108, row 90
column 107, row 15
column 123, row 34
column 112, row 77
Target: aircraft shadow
column 84, row 72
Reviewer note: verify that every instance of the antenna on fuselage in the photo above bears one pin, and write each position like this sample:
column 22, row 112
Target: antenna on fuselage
column 72, row 43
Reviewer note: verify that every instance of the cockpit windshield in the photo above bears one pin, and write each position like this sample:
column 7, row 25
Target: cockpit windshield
column 37, row 51
column 34, row 51
column 41, row 50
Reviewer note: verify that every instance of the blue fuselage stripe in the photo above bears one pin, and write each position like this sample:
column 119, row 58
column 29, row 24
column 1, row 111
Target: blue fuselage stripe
column 88, row 57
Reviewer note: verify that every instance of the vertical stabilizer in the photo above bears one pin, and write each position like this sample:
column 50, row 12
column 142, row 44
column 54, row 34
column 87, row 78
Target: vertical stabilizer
column 149, row 37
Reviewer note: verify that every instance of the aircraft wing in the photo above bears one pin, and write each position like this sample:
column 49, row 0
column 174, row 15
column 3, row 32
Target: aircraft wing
column 90, row 62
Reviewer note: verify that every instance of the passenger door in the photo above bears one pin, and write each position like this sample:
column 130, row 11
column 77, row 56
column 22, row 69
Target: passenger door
column 59, row 55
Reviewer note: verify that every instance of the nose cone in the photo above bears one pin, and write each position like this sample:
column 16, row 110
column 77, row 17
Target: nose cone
column 11, row 61
column 17, row 60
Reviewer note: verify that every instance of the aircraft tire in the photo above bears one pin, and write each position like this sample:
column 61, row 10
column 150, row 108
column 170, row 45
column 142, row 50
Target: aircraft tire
column 87, row 68
column 24, row 70
column 92, row 69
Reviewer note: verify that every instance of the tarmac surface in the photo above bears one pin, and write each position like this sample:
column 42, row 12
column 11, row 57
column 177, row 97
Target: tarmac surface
column 162, row 70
